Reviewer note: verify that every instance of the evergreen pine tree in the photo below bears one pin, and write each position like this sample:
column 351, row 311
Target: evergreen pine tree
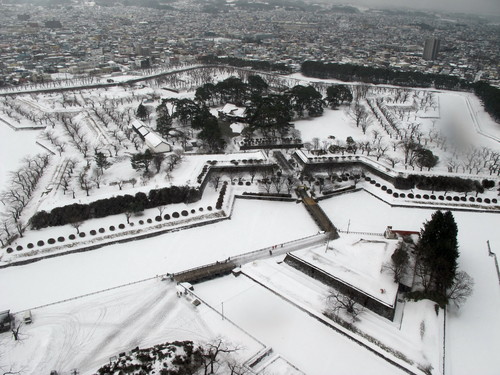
column 438, row 252
column 142, row 112
column 164, row 124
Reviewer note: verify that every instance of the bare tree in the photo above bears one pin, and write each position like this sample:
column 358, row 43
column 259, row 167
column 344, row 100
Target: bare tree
column 97, row 177
column 461, row 289
column 358, row 114
column 289, row 183
column 364, row 123
column 338, row 302
column 76, row 224
column 211, row 352
column 277, row 182
column 394, row 161
column 161, row 209
column 380, row 151
column 85, row 182
column 15, row 328
column 236, row 368
column 215, row 180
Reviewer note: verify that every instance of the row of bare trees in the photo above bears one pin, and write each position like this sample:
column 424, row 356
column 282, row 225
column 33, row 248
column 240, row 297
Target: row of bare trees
column 18, row 194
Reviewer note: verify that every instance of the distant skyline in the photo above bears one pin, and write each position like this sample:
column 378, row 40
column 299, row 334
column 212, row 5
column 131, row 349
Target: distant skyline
column 485, row 7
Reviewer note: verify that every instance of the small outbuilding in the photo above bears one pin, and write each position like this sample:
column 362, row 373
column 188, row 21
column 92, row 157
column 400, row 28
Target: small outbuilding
column 230, row 112
column 5, row 320
column 393, row 234
column 153, row 140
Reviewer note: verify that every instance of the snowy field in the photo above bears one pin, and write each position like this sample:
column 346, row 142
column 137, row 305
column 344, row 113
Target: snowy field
column 14, row 146
column 477, row 320
column 306, row 343
column 401, row 335
column 85, row 333
column 254, row 225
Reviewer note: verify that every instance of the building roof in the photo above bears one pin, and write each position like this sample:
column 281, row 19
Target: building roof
column 232, row 110
column 153, row 139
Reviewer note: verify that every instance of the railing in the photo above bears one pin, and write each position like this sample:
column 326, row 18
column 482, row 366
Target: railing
column 363, row 233
column 492, row 254
column 256, row 254
column 90, row 294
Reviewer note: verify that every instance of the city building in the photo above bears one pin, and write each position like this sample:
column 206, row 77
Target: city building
column 431, row 48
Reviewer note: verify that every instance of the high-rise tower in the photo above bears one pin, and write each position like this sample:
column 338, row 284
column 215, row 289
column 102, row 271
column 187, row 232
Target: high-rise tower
column 431, row 48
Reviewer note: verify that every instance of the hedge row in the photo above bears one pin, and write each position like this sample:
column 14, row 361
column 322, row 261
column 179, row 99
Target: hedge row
column 222, row 192
column 114, row 205
column 432, row 196
column 112, row 228
column 438, row 183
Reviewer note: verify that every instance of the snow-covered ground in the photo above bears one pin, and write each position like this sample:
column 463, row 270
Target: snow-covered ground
column 334, row 123
column 477, row 320
column 14, row 146
column 401, row 336
column 253, row 225
column 309, row 345
column 357, row 262
column 85, row 333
